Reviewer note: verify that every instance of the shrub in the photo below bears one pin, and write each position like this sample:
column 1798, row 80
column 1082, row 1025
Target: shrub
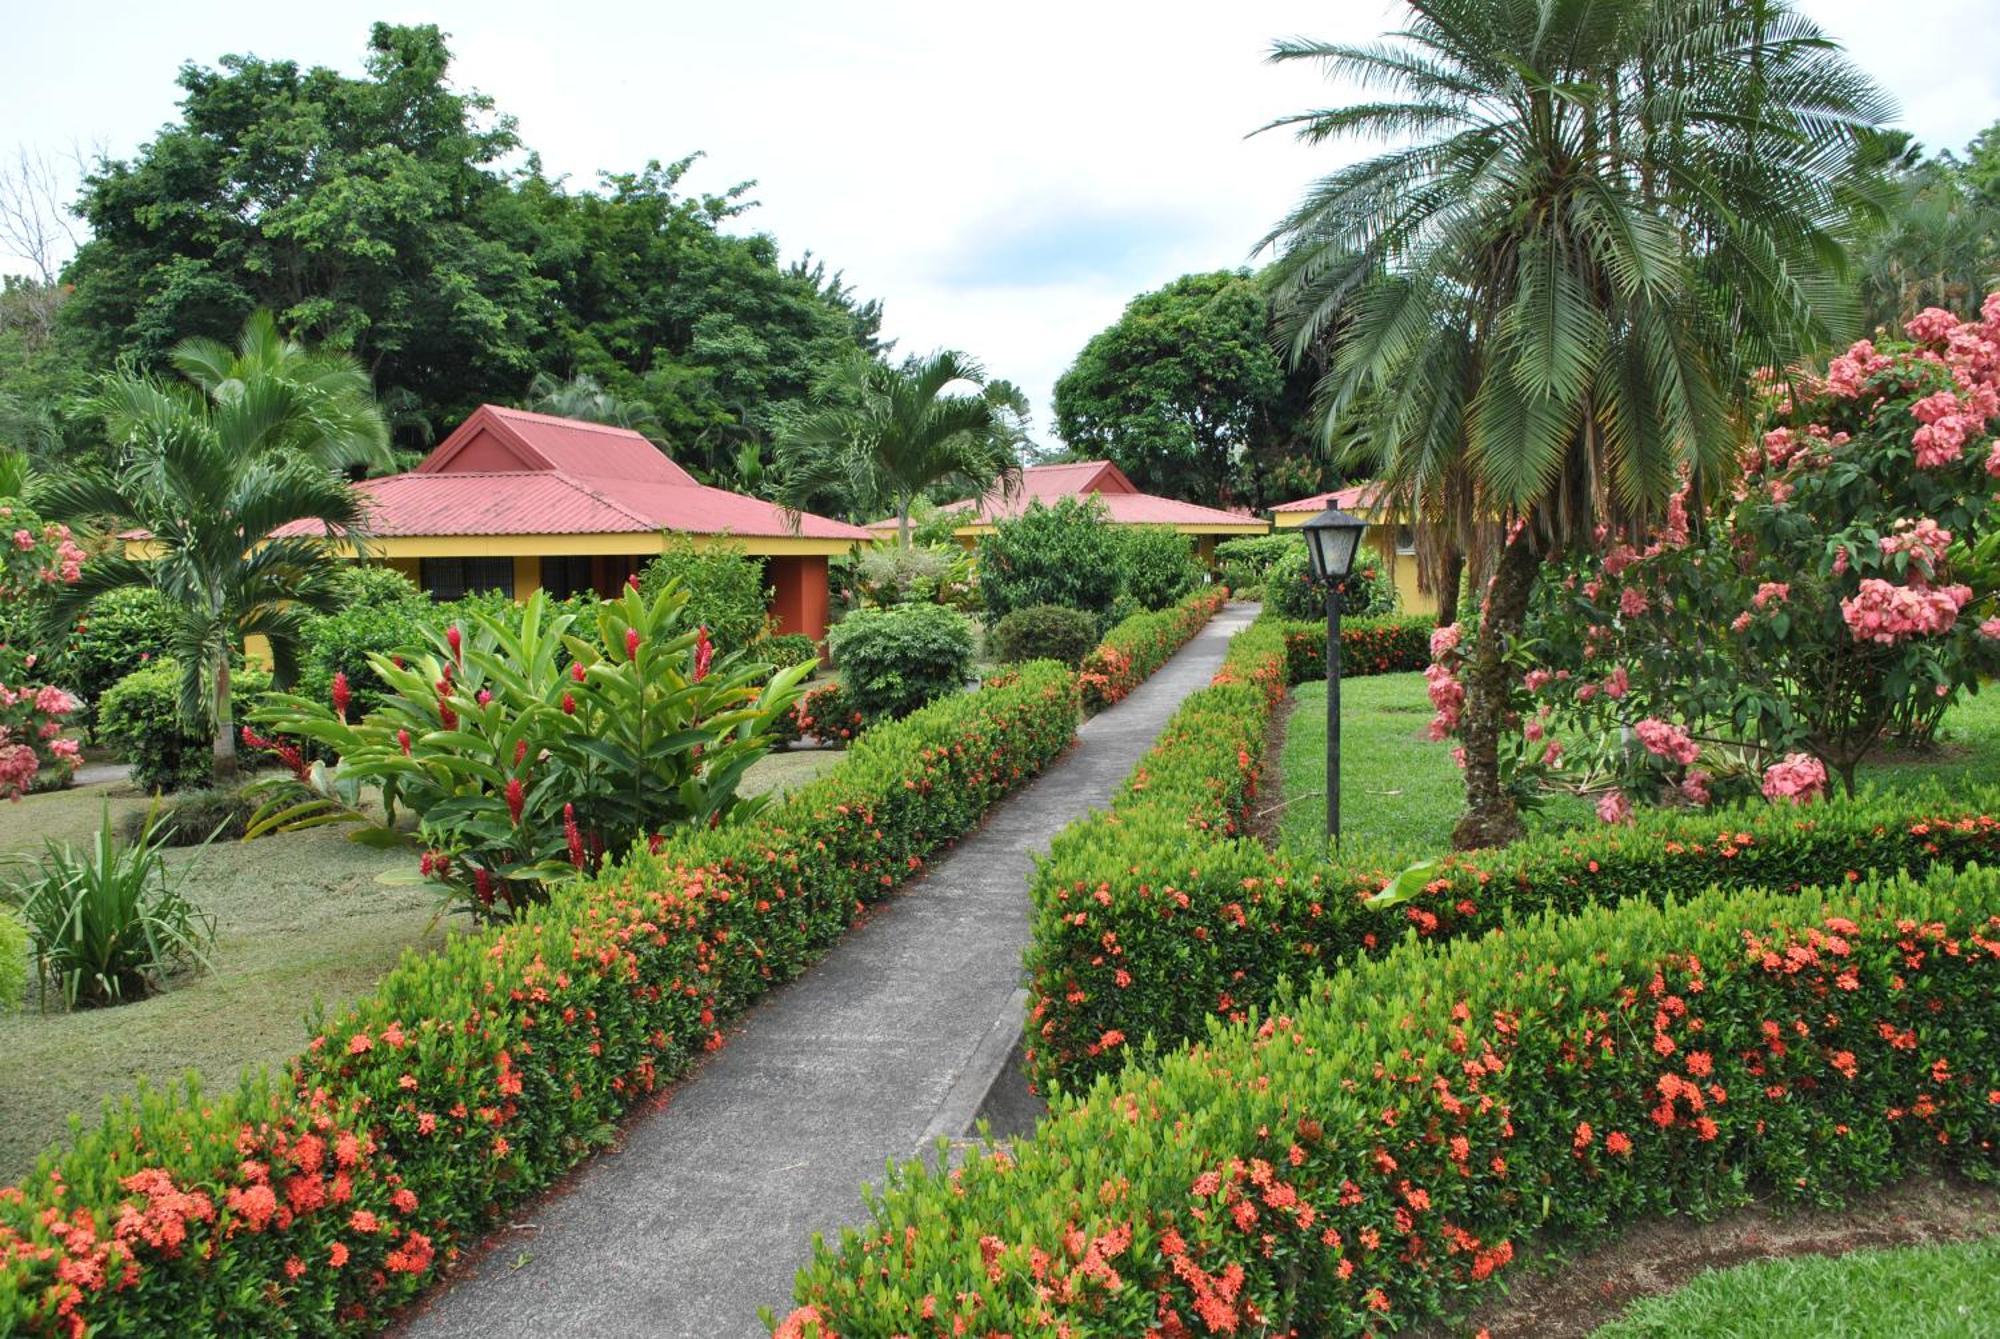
column 784, row 650
column 122, row 630
column 530, row 749
column 1131, row 652
column 1156, row 565
column 1376, row 1147
column 1065, row 554
column 1248, row 561
column 107, row 923
column 372, row 583
column 1291, row 590
column 724, row 586
column 1044, row 632
column 893, row 661
column 522, row 1044
column 13, row 959
column 140, row 717
column 33, row 754
column 886, row 575
column 1367, row 646
column 347, row 642
column 193, row 817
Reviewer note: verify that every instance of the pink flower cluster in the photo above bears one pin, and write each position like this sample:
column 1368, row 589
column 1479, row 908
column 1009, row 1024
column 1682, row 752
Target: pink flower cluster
column 1797, row 777
column 1446, row 692
column 1923, row 539
column 1664, row 739
column 31, row 735
column 1845, row 374
column 1614, row 807
column 1887, row 613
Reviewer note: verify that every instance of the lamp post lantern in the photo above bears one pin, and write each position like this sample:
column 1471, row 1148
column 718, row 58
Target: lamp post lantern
column 1332, row 539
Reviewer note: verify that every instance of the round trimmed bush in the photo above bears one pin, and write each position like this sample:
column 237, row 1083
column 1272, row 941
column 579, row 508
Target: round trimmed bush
column 1066, row 554
column 1157, row 565
column 140, row 717
column 1045, row 632
column 893, row 661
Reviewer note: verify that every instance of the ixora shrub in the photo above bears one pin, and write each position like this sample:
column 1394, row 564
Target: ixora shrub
column 1065, row 554
column 1292, row 591
column 1846, row 594
column 893, row 661
column 472, row 1077
column 531, row 747
column 1136, row 648
column 724, row 587
column 1156, row 565
column 107, row 923
column 140, row 717
column 1390, row 645
column 1045, row 632
column 1377, row 1148
column 1206, row 928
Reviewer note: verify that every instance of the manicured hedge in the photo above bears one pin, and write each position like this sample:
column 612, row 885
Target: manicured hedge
column 1367, row 646
column 1377, row 1149
column 475, row 1075
column 1136, row 648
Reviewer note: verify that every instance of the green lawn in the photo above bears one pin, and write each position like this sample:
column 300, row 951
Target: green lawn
column 1934, row 1291
column 301, row 919
column 1401, row 793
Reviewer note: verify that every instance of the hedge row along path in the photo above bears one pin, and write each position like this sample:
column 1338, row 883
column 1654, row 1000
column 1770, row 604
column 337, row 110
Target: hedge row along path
column 705, row 1211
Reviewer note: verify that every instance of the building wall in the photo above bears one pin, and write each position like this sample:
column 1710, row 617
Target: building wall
column 1382, row 538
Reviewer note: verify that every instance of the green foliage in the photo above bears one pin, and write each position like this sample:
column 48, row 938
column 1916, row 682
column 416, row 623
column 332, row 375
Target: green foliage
column 1292, row 591
column 876, row 438
column 1186, row 394
column 349, row 640
column 374, row 584
column 140, row 717
column 785, row 650
column 106, row 924
column 649, row 961
column 1912, row 1290
column 13, row 959
column 1367, row 646
column 1156, row 565
column 119, row 632
column 935, row 573
column 1248, row 561
column 1044, row 632
column 529, row 747
column 194, row 817
column 1064, row 554
column 724, row 587
column 893, row 661
column 1543, row 1085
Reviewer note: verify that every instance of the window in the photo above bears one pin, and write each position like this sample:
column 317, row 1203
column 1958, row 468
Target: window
column 451, row 578
column 1406, row 539
column 567, row 575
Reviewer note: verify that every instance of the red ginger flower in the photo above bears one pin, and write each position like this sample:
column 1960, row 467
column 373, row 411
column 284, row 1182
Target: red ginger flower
column 704, row 652
column 341, row 695
column 403, row 739
column 516, row 799
column 573, row 836
column 631, row 643
column 456, row 640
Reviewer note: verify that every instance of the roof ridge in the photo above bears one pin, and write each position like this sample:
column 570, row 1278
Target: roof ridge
column 580, row 486
column 587, row 424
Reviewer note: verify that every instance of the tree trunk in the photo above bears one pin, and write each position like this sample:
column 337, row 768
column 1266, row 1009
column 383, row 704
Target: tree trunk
column 903, row 524
column 1491, row 818
column 225, row 725
column 1449, row 586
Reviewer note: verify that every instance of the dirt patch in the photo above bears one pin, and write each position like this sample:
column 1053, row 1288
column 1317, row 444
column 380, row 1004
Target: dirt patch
column 1268, row 812
column 1571, row 1300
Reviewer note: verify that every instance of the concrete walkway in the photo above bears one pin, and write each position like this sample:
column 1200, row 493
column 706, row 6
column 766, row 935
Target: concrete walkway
column 707, row 1209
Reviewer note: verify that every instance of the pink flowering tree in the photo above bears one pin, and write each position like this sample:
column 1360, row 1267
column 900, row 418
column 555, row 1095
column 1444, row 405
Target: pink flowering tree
column 40, row 556
column 1844, row 594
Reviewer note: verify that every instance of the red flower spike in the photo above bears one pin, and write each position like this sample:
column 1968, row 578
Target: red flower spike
column 403, row 739
column 341, row 695
column 574, row 837
column 631, row 643
column 516, row 798
column 704, row 652
column 456, row 640
column 576, row 670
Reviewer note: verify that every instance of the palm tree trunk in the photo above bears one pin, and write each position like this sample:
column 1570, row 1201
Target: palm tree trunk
column 903, row 523
column 225, row 725
column 1449, row 586
column 1491, row 818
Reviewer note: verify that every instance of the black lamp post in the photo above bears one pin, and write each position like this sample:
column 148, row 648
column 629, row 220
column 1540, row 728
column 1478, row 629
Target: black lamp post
column 1332, row 539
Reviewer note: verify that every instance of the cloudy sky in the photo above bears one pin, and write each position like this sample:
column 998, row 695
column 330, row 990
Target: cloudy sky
column 1004, row 177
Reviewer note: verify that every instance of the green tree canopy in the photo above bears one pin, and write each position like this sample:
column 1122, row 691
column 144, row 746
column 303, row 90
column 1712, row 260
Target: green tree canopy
column 1186, row 394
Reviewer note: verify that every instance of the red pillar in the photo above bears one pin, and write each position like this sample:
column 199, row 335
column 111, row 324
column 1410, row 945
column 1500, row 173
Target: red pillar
column 799, row 594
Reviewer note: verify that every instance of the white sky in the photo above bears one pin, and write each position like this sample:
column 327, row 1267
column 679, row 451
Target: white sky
column 1003, row 177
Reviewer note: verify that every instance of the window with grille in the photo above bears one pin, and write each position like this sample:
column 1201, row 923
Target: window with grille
column 452, row 578
column 566, row 575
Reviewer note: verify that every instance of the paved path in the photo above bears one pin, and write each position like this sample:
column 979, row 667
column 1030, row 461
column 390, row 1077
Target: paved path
column 707, row 1209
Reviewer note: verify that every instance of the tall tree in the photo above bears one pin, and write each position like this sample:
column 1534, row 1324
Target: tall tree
column 1938, row 244
column 1185, row 393
column 879, row 437
column 1599, row 214
column 210, row 469
column 584, row 397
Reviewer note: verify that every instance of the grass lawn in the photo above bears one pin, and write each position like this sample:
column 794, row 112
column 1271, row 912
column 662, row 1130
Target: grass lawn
column 1920, row 1290
column 1401, row 794
column 300, row 919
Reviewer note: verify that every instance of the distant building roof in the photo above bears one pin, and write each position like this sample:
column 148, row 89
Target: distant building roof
column 1365, row 496
column 1123, row 502
column 511, row 472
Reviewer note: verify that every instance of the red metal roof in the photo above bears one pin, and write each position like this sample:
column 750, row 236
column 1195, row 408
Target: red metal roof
column 1122, row 500
column 510, row 472
column 1364, row 496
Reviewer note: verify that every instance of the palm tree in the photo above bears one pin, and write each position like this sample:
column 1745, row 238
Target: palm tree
column 210, row 472
column 584, row 396
column 1598, row 215
column 311, row 402
column 880, row 436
